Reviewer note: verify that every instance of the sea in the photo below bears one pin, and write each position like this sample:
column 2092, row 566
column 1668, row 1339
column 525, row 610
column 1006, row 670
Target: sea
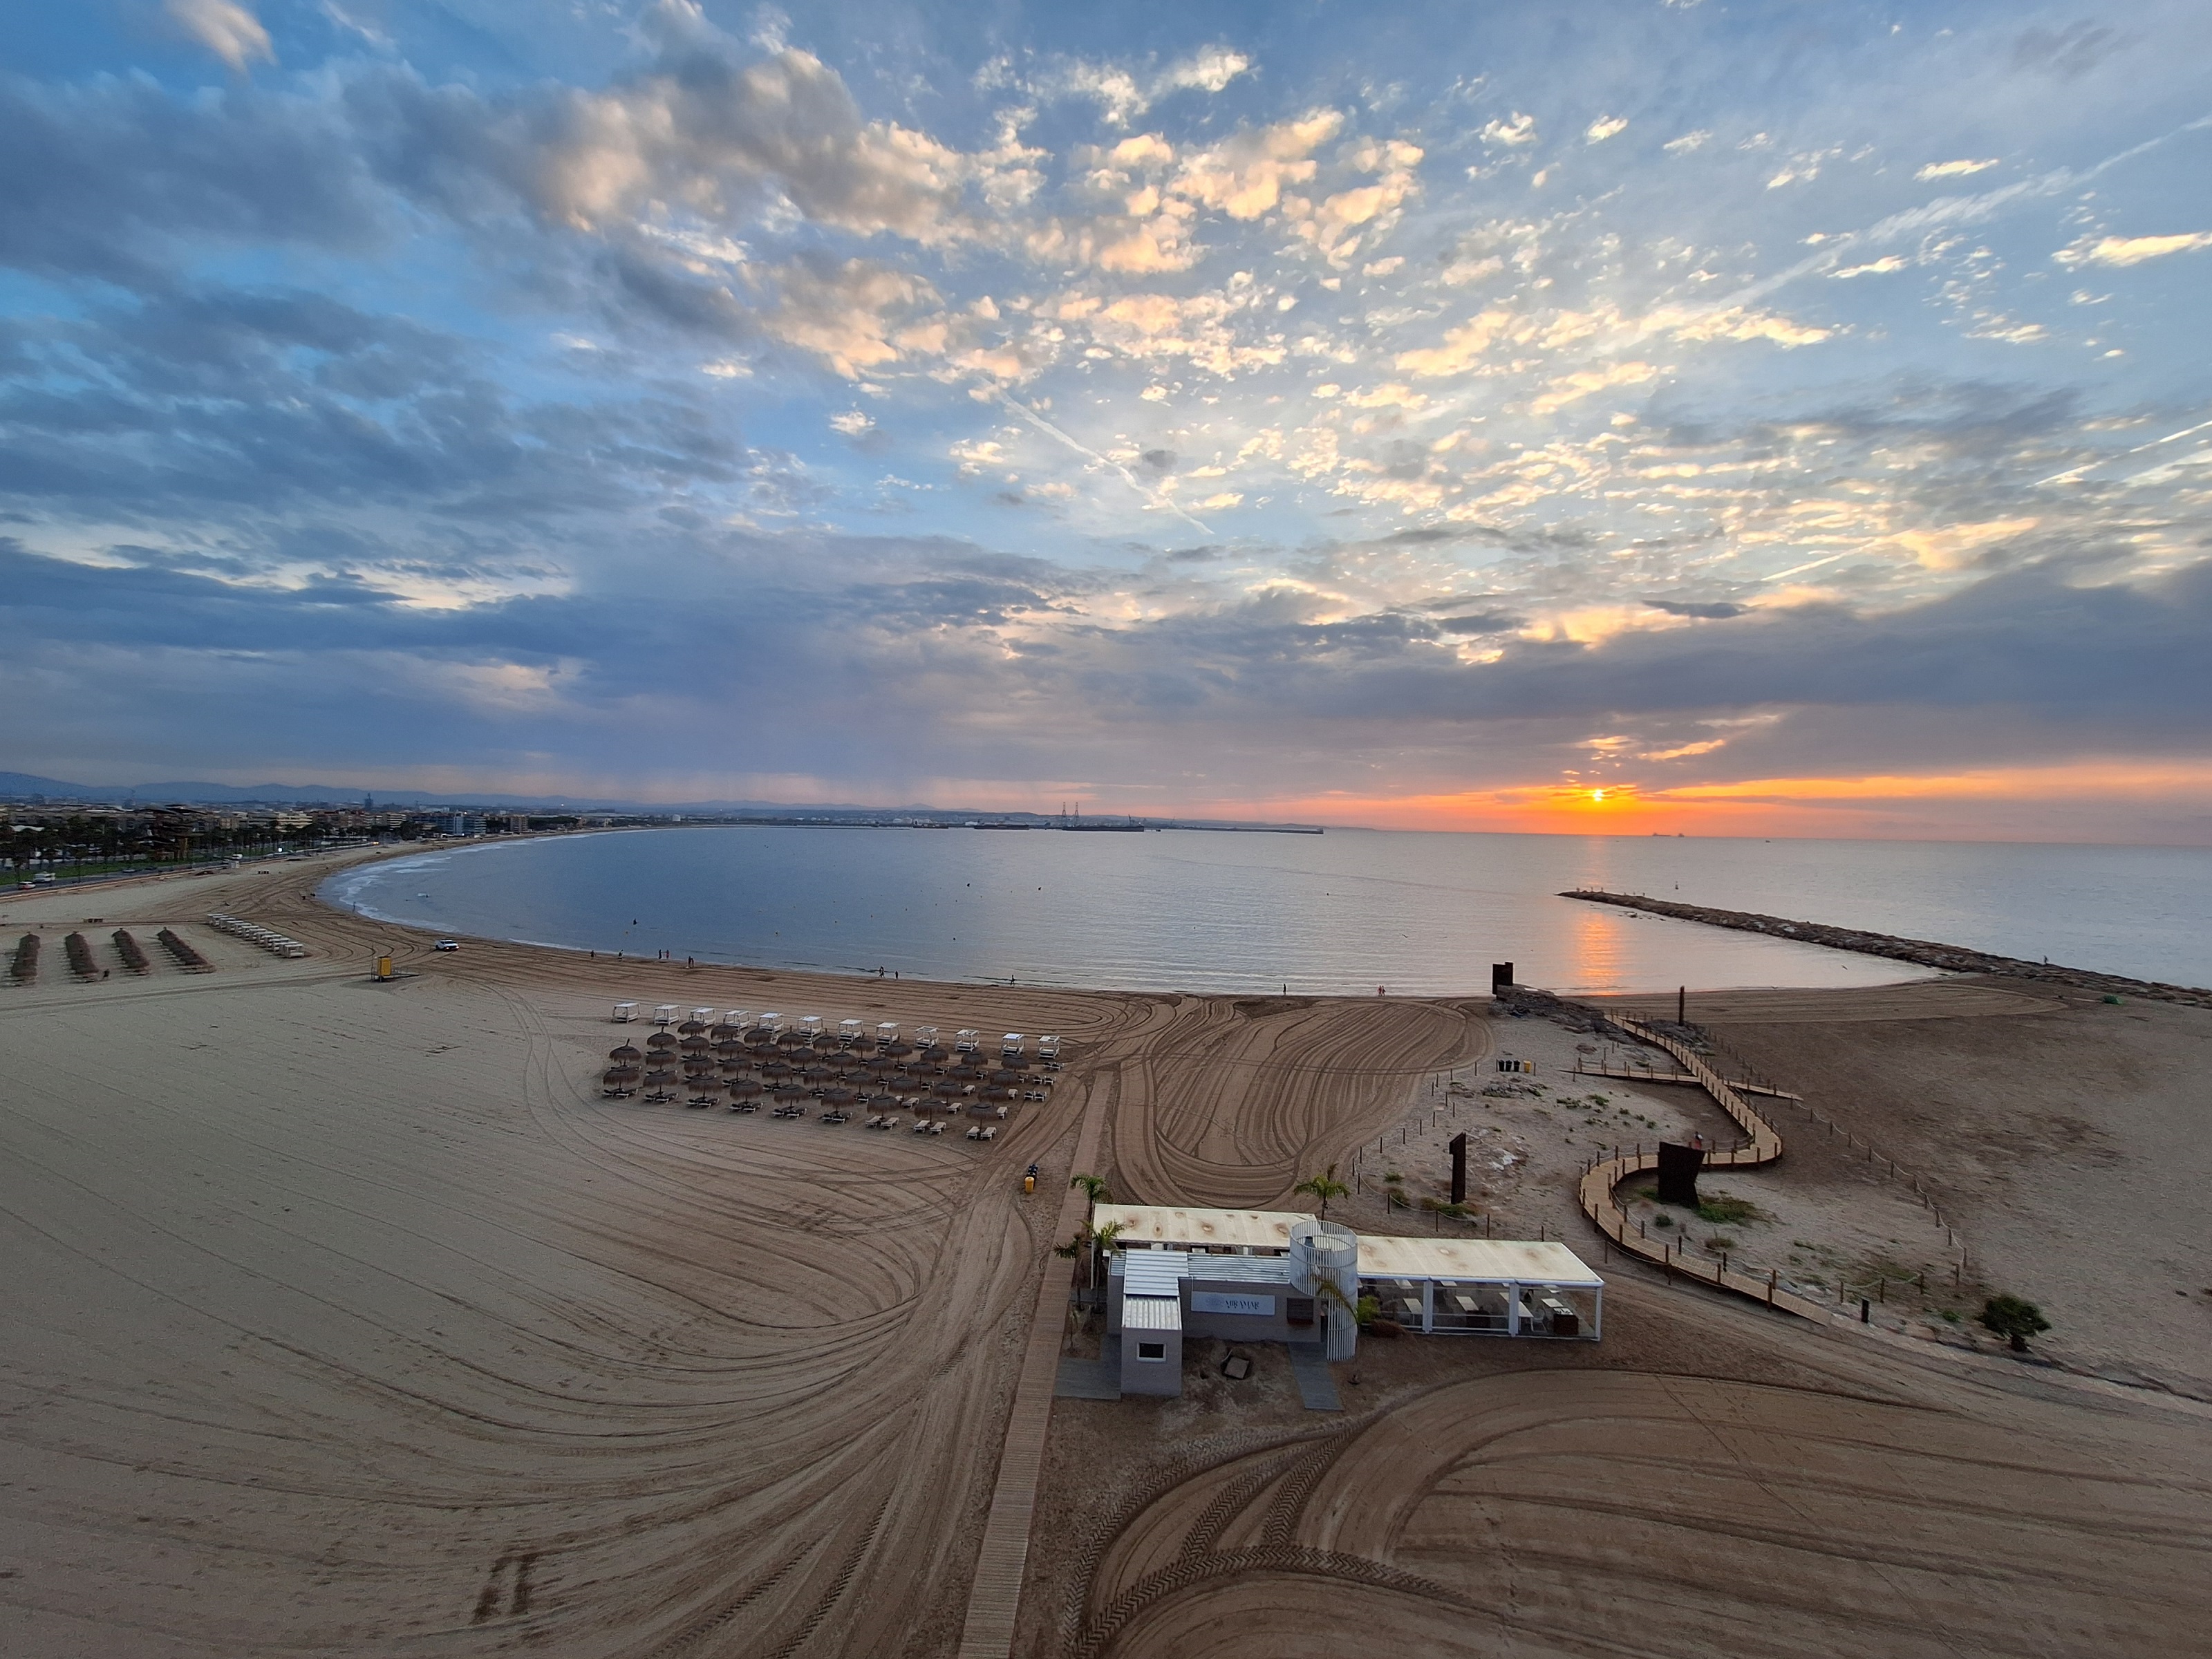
column 1349, row 912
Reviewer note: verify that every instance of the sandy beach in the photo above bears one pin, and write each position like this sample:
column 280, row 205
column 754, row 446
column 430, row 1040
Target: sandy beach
column 347, row 1318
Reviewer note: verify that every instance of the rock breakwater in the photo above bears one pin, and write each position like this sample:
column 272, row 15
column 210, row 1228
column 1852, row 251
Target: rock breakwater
column 1926, row 953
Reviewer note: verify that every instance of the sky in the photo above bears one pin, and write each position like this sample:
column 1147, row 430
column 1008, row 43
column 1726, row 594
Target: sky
column 1753, row 419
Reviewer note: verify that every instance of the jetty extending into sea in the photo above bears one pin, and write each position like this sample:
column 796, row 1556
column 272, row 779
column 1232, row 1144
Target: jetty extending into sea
column 1927, row 953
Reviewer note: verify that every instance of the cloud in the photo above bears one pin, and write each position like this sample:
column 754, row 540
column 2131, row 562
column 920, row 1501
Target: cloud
column 2130, row 250
column 225, row 27
column 1244, row 176
column 1123, row 93
column 1520, row 465
column 706, row 133
column 113, row 177
column 1511, row 133
column 1571, row 388
column 1953, row 169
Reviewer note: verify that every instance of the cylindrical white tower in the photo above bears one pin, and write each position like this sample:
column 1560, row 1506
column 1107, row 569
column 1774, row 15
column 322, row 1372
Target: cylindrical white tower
column 1325, row 1266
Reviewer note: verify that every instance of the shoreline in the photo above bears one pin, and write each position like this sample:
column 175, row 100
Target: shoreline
column 1258, row 985
column 1926, row 953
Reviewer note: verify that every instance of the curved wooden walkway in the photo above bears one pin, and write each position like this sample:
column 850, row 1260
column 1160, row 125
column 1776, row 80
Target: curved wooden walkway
column 1600, row 1178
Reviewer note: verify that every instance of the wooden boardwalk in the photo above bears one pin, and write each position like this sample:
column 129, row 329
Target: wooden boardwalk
column 995, row 1597
column 1646, row 1074
column 1600, row 1179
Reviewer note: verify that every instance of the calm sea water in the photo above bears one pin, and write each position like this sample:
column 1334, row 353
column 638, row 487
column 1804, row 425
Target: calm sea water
column 1422, row 913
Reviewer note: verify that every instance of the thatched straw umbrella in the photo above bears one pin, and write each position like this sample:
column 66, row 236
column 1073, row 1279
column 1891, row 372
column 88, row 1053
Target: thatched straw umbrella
column 692, row 1027
column 625, row 1055
column 620, row 1079
column 744, row 1088
column 660, row 1040
column 704, row 1089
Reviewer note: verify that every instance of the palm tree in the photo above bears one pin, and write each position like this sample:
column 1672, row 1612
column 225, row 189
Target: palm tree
column 1094, row 1190
column 1323, row 1187
column 1101, row 1241
column 1096, row 1241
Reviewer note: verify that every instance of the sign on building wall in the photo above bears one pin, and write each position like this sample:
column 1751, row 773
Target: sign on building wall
column 1217, row 1302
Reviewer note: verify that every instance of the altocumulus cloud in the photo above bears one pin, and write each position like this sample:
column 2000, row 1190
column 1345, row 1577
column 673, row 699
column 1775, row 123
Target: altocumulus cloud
column 1250, row 430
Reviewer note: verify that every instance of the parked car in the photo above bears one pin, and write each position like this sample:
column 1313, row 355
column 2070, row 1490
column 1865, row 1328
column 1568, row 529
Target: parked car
column 446, row 945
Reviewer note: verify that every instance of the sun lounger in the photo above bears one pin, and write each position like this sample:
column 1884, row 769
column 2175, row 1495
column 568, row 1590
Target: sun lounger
column 989, row 1134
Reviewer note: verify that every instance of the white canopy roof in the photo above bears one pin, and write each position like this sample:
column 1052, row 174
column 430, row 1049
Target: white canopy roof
column 1474, row 1261
column 1146, row 1223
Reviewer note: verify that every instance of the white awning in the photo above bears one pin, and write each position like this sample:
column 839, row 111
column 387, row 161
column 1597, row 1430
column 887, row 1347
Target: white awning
column 1475, row 1261
column 1147, row 1224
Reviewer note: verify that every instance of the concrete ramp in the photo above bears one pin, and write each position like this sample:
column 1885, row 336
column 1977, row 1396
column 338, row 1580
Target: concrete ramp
column 1316, row 1386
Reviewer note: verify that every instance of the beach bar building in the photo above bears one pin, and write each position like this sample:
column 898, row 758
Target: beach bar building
column 1283, row 1276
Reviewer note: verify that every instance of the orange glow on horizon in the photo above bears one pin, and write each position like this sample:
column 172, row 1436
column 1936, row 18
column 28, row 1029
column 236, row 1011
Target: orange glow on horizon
column 1877, row 804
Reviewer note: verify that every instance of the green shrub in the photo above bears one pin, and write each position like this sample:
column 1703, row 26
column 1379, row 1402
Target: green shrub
column 2015, row 1319
column 1725, row 1211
